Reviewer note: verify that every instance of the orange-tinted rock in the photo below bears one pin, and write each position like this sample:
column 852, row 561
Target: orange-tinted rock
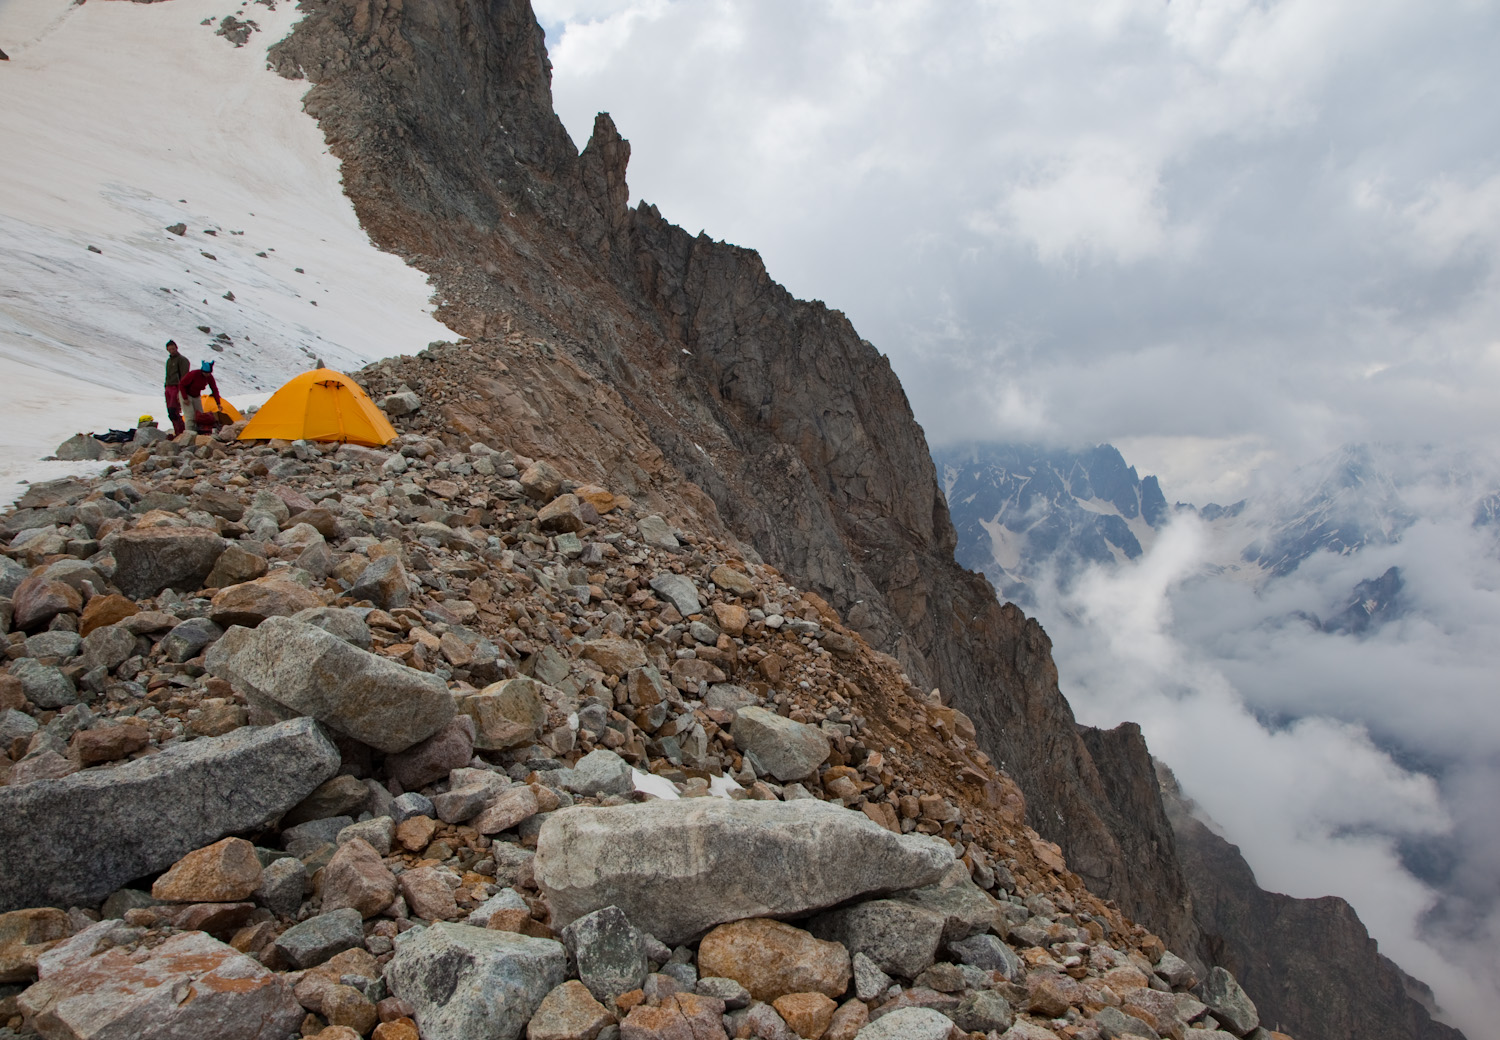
column 357, row 878
column 852, row 1016
column 224, row 872
column 569, row 1012
column 414, row 834
column 108, row 743
column 36, row 602
column 732, row 618
column 683, row 1016
column 251, row 602
column 396, row 1029
column 1046, row 996
column 24, row 936
column 772, row 959
column 105, row 610
column 808, row 1014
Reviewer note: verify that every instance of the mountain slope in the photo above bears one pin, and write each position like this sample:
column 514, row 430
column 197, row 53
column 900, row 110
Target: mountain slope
column 795, row 429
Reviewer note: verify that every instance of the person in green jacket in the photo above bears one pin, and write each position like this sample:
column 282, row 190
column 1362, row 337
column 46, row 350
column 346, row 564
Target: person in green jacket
column 177, row 367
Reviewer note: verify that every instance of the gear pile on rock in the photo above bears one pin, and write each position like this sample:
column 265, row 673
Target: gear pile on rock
column 321, row 740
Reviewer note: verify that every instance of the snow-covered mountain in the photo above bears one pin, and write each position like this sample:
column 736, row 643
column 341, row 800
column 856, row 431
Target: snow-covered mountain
column 1020, row 508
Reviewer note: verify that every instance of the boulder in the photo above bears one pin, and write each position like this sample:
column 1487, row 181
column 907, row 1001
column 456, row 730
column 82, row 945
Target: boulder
column 506, row 810
column 343, row 795
column 44, row 685
column 108, row 647
column 562, row 515
column 24, row 936
column 682, row 1016
column 308, row 671
column 75, row 840
column 234, row 566
column 807, row 1014
column 383, row 583
column 188, row 639
column 569, row 1012
column 900, row 938
column 983, row 1011
column 191, row 985
column 346, row 624
column 609, row 952
column 37, row 601
column 448, row 749
column 106, row 610
column 428, row 894
column 615, row 656
column 679, row 591
column 990, row 954
column 1228, row 1002
column 778, row 746
column 224, row 872
column 657, row 533
column 466, row 982
column 282, row 884
column 506, row 714
column 771, row 959
column 541, row 481
column 357, row 878
column 967, row 908
column 81, row 447
column 312, row 942
column 251, row 602
column 909, row 1023
column 784, row 859
column 599, row 773
column 399, row 404
column 150, row 559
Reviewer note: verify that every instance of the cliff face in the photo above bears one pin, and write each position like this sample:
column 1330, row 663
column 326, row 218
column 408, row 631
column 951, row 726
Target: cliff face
column 687, row 366
column 1307, row 961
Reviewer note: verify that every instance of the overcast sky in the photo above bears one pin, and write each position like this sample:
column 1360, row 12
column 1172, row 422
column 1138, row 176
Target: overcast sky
column 1226, row 236
column 1208, row 232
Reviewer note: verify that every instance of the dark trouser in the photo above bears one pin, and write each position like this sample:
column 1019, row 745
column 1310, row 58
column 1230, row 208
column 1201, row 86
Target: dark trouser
column 174, row 410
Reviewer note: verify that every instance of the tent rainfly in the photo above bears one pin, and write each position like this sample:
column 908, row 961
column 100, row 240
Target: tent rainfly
column 321, row 405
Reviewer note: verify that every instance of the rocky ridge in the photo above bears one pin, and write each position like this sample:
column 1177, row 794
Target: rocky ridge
column 641, row 785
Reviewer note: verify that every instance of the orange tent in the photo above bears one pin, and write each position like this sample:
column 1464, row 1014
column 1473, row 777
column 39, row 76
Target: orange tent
column 321, row 405
column 230, row 410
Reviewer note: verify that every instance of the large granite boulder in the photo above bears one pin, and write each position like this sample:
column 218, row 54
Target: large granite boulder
column 677, row 868
column 73, row 841
column 188, row 987
column 290, row 667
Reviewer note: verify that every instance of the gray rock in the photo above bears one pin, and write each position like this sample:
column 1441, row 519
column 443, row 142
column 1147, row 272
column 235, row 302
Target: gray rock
column 434, row 758
column 400, row 404
column 188, row 639
column 1229, row 1004
column 505, row 899
column 11, row 576
column 908, row 1023
column 989, row 953
column 191, row 985
column 983, row 1011
column 379, row 833
column 900, row 938
column 679, row 591
column 1176, row 971
column 685, row 974
column 466, row 982
column 869, row 981
column 1114, row 1023
column 74, row 841
column 126, row 899
column 44, row 685
column 373, row 699
column 15, row 724
column 777, row 746
column 600, row 772
column 786, row 858
column 729, row 697
column 107, row 647
column 342, row 796
column 412, row 804
column 345, row 624
column 968, row 909
column 306, row 837
column 318, row 938
column 383, row 583
column 53, row 644
column 513, row 864
column 729, row 991
column 282, row 884
column 150, row 559
column 655, row 532
column 609, row 951
column 81, row 447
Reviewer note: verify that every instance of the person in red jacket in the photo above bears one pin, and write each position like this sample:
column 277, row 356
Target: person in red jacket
column 191, row 390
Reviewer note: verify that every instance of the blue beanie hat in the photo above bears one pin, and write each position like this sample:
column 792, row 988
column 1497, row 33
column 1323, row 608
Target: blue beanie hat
column 207, row 366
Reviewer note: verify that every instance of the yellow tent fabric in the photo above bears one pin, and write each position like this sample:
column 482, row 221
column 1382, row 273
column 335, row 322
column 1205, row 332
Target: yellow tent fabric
column 230, row 410
column 321, row 405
